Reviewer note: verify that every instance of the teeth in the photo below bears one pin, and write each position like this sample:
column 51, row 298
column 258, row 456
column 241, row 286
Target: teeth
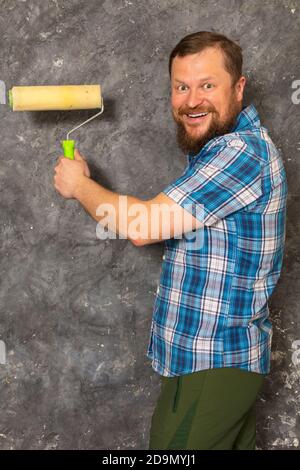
column 197, row 115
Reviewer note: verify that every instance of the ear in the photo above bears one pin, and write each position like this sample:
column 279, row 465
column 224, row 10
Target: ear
column 240, row 85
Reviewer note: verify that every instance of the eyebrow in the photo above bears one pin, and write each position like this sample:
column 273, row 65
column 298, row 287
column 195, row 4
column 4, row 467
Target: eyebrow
column 201, row 79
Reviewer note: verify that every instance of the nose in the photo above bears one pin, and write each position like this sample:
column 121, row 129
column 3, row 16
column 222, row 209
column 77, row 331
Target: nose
column 194, row 98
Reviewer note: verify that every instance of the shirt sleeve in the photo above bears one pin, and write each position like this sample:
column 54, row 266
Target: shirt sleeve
column 219, row 184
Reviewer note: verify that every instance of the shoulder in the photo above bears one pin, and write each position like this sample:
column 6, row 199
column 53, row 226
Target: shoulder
column 233, row 140
column 224, row 149
column 232, row 146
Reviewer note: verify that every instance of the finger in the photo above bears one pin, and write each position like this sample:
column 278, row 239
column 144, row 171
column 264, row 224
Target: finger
column 59, row 160
column 77, row 155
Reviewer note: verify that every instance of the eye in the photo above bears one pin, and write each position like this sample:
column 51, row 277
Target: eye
column 210, row 85
column 182, row 87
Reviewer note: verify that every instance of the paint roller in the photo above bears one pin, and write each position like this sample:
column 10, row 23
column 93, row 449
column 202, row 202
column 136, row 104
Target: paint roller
column 55, row 98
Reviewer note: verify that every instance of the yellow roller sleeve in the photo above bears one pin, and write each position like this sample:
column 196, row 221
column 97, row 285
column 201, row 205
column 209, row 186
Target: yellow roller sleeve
column 61, row 97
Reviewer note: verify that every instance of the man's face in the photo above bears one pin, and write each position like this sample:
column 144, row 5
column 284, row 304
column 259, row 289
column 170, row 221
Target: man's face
column 201, row 84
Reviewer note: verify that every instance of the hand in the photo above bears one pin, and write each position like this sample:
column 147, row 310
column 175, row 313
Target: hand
column 80, row 157
column 70, row 174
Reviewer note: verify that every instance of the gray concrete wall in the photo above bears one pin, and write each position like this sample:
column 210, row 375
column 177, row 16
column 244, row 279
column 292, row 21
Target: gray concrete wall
column 75, row 312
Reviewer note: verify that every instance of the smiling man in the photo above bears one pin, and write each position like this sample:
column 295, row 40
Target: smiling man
column 211, row 334
column 205, row 103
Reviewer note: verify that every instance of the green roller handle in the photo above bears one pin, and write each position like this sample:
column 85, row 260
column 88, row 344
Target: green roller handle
column 68, row 148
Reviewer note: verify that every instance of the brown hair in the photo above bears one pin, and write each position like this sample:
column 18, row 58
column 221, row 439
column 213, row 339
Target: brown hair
column 197, row 42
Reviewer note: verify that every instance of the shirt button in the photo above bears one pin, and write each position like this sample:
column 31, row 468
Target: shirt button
column 164, row 257
column 157, row 290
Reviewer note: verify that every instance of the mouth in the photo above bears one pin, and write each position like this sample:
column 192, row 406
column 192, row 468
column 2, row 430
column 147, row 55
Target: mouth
column 196, row 118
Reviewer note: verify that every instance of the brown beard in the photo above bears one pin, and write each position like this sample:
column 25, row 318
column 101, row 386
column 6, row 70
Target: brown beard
column 193, row 146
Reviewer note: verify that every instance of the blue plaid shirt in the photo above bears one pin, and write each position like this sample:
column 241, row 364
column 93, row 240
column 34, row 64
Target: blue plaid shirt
column 211, row 307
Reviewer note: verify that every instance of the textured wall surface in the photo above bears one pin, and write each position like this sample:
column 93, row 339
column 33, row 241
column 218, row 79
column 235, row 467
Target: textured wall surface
column 75, row 311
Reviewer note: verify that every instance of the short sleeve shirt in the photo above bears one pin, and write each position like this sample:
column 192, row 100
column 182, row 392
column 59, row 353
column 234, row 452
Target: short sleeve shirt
column 211, row 306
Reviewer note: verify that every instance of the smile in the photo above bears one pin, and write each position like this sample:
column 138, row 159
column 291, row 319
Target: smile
column 196, row 117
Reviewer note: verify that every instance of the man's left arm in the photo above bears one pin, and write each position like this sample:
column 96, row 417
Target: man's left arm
column 142, row 222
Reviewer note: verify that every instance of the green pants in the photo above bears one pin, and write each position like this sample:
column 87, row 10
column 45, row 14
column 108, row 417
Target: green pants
column 209, row 409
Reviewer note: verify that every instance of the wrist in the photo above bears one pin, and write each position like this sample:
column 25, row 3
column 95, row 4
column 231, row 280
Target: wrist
column 81, row 184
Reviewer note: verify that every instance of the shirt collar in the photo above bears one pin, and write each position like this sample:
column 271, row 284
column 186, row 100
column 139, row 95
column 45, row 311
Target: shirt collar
column 247, row 118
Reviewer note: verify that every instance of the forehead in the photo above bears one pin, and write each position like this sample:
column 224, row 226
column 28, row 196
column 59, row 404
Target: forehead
column 209, row 62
